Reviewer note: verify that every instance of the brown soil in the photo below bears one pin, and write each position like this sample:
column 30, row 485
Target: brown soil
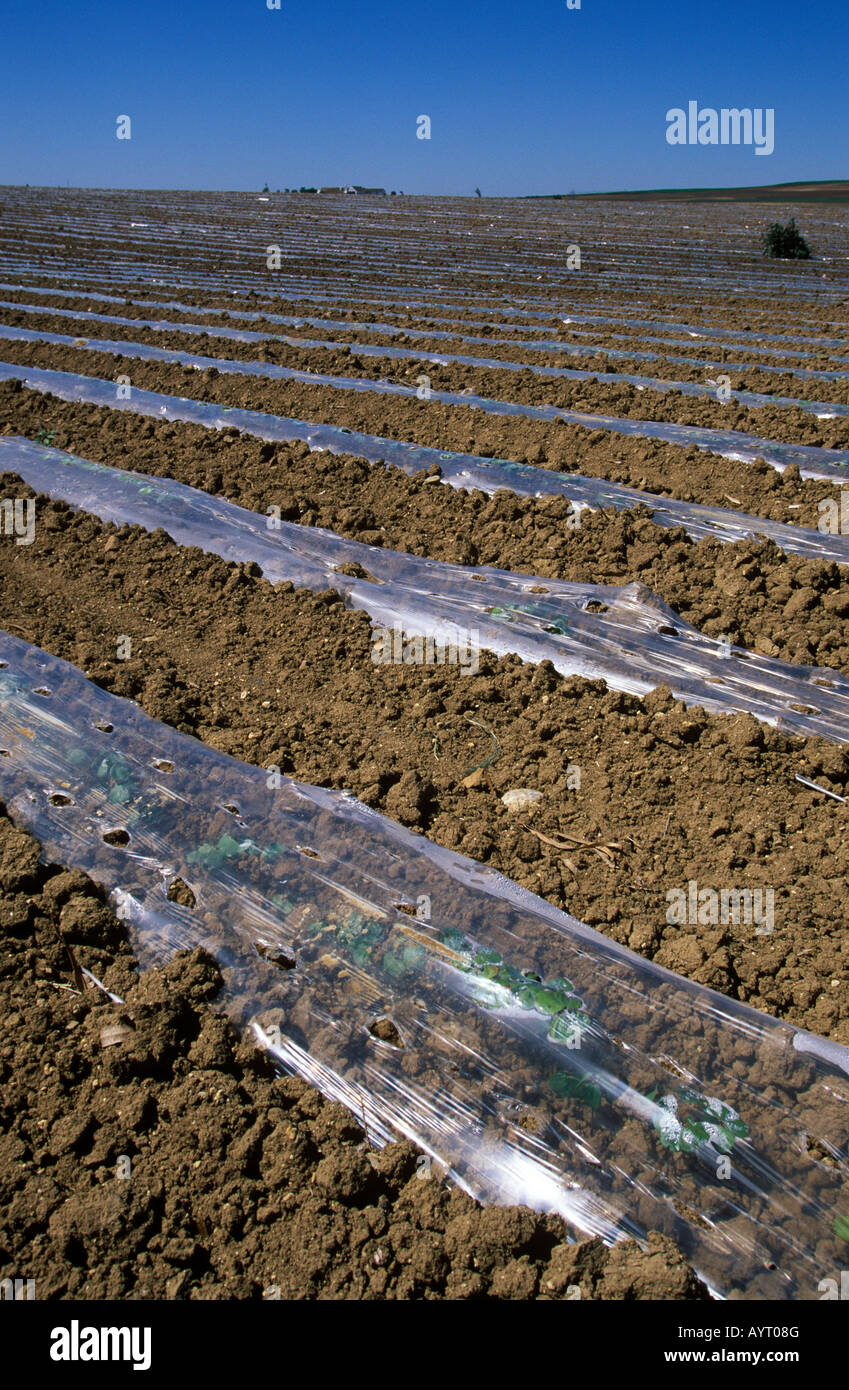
column 666, row 469
column 436, row 261
column 780, row 378
column 776, row 604
column 504, row 383
column 147, row 1153
column 285, row 678
column 242, row 1181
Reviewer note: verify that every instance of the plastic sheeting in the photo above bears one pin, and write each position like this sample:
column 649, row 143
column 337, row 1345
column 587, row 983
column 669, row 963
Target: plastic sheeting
column 700, row 390
column 364, row 283
column 407, row 331
column 240, row 367
column 318, row 238
column 539, row 1062
column 459, row 470
column 622, row 634
column 812, row 460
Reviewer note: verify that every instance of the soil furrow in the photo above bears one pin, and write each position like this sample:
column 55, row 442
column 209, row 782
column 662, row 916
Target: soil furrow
column 688, row 473
column 750, row 592
column 652, row 794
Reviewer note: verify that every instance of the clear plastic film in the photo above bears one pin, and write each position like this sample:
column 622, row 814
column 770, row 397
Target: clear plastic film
column 367, row 289
column 536, row 1060
column 625, row 635
column 235, row 222
column 459, row 470
column 700, row 389
column 409, row 332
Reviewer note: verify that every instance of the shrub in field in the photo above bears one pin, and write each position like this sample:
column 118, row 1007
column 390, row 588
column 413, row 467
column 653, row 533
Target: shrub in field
column 784, row 241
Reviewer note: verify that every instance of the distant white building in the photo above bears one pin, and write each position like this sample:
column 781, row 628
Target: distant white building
column 354, row 188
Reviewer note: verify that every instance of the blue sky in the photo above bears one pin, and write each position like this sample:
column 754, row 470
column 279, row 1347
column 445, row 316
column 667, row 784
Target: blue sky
column 523, row 98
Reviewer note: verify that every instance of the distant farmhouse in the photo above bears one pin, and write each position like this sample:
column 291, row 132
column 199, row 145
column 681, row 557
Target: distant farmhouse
column 355, row 188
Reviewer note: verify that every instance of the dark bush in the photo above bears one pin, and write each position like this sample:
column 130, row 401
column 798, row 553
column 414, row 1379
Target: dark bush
column 784, row 241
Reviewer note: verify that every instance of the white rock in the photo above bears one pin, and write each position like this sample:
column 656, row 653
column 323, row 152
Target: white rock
column 520, row 798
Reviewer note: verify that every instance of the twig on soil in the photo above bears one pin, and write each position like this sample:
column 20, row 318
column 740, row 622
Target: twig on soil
column 434, row 738
column 496, row 753
column 78, row 974
column 564, row 842
column 76, row 970
column 815, row 787
column 116, row 998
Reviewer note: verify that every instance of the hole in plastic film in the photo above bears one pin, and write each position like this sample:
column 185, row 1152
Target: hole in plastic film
column 119, row 838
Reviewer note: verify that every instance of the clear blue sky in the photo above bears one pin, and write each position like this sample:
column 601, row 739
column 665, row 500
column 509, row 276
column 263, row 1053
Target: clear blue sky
column 523, row 97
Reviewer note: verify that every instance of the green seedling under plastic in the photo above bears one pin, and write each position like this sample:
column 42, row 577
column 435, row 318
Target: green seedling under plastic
column 225, row 850
column 840, row 1227
column 563, row 1083
column 398, row 951
column 697, row 1120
